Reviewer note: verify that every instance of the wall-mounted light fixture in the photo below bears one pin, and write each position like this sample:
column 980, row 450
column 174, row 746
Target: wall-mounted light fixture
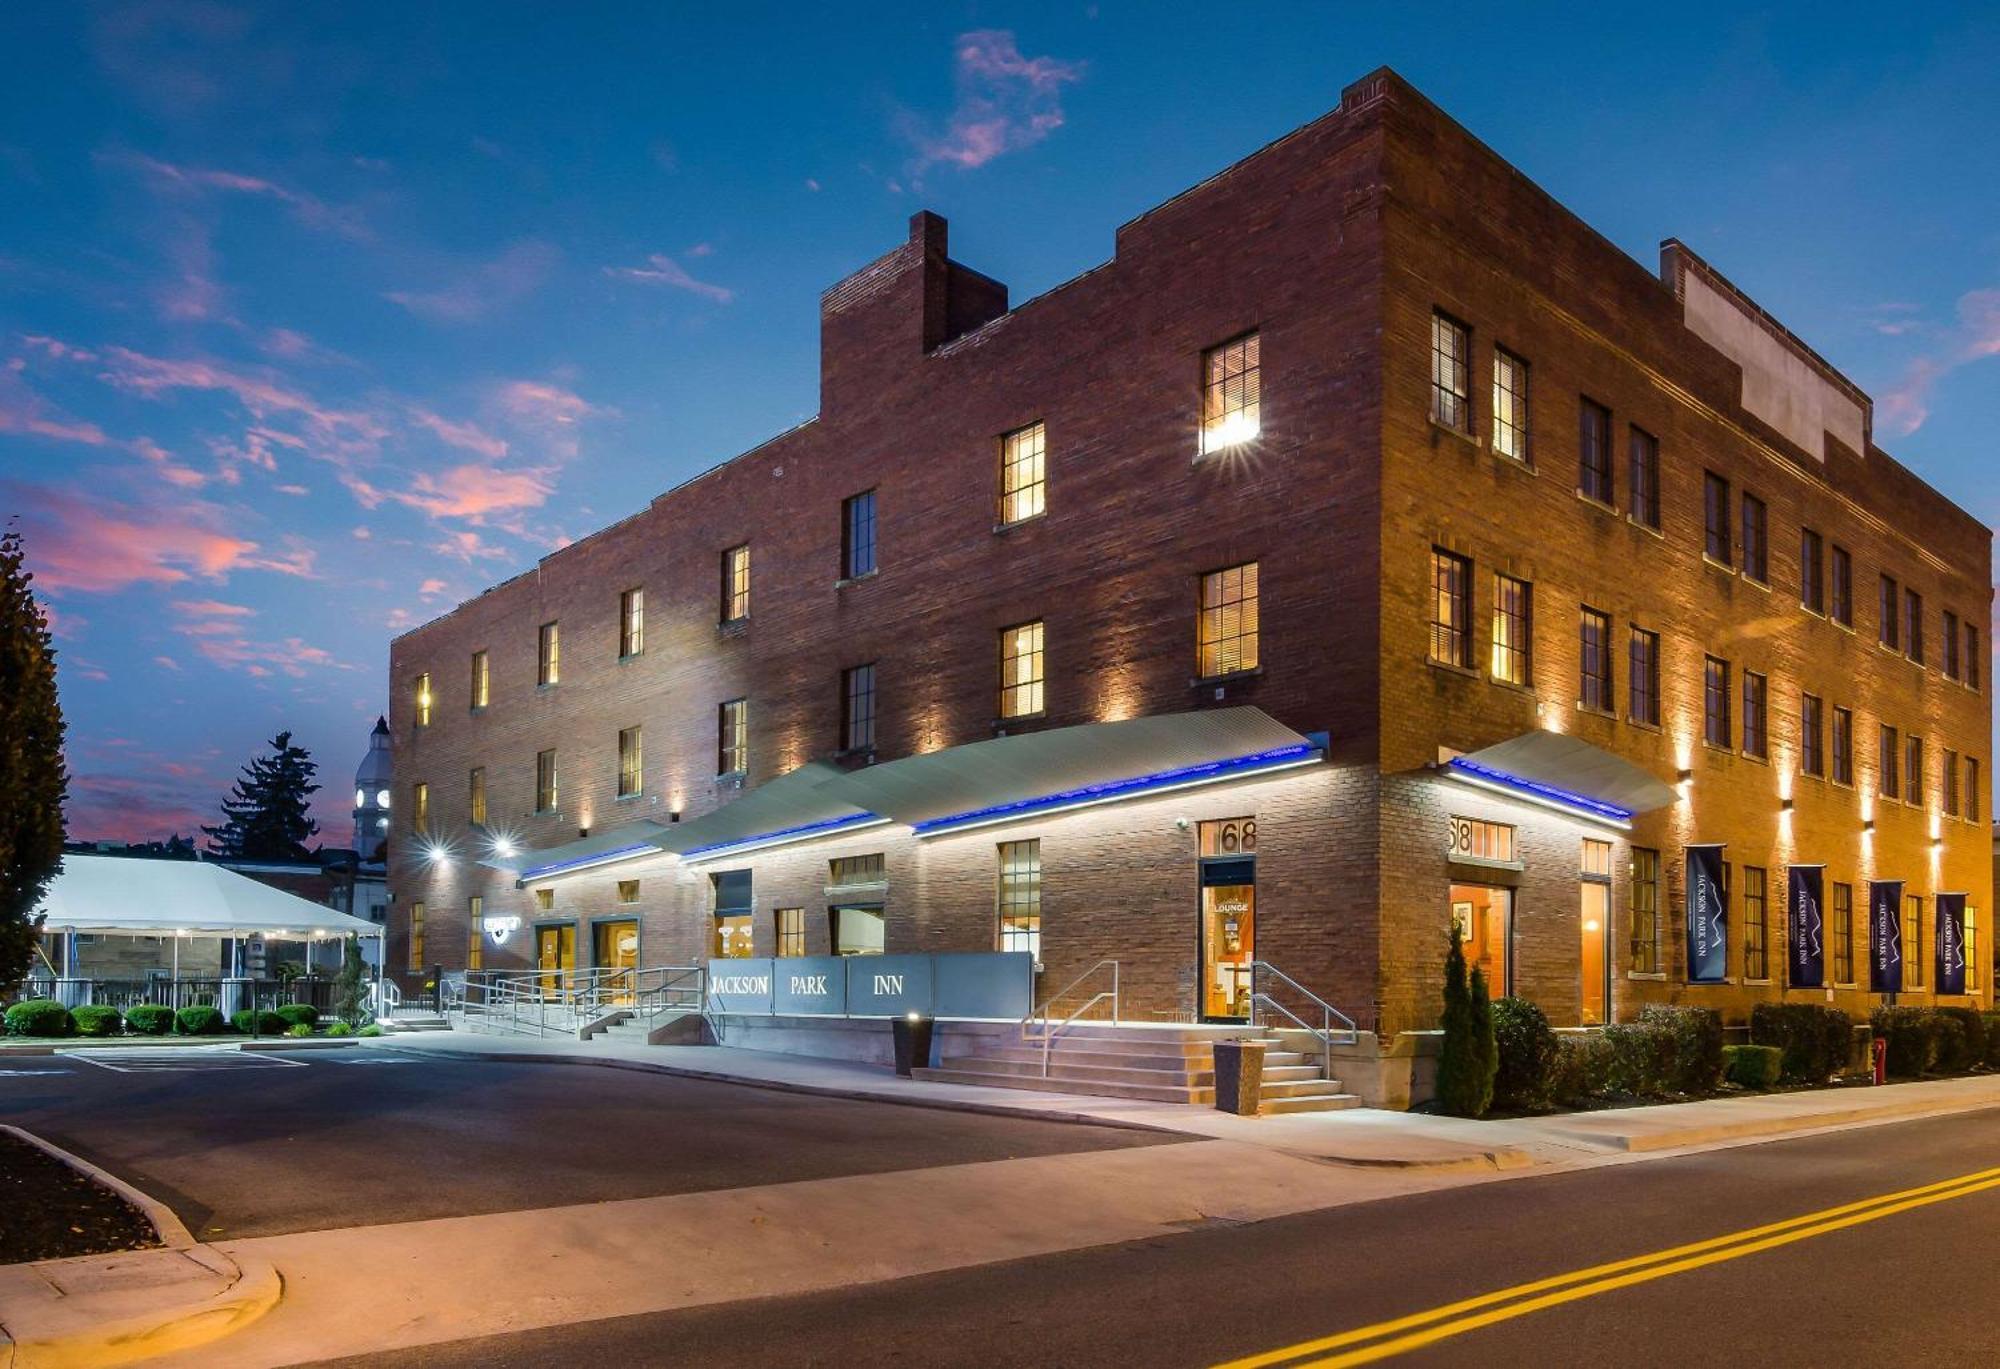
column 1867, row 824
column 1784, row 805
column 1685, row 775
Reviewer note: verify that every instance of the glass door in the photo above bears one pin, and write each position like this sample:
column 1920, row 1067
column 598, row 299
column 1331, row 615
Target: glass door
column 1483, row 917
column 1229, row 944
column 616, row 949
column 1596, row 961
column 555, row 953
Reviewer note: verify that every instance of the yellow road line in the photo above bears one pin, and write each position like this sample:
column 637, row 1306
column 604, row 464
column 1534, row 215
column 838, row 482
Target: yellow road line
column 1604, row 1278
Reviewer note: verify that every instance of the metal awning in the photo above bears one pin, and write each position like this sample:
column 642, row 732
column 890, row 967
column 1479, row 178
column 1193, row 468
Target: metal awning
column 130, row 896
column 629, row 841
column 1565, row 772
column 995, row 781
column 796, row 806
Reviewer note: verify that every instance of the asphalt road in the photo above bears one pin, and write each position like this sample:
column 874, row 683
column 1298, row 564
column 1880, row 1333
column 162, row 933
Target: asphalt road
column 242, row 1144
column 1914, row 1287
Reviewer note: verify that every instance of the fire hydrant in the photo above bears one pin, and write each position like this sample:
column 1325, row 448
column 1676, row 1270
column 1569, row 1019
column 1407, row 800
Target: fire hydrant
column 1878, row 1052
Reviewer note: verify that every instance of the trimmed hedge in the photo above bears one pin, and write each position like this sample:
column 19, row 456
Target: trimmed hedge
column 98, row 1019
column 1694, row 1062
column 39, row 1017
column 1754, row 1067
column 370, row 1030
column 1912, row 1037
column 1529, row 1051
column 149, row 1019
column 1961, row 1039
column 265, row 1023
column 299, row 1014
column 1815, row 1040
column 1583, row 1068
column 299, row 1029
column 199, row 1020
column 340, row 1029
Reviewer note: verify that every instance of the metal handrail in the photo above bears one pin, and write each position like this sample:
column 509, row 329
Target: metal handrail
column 1326, row 1032
column 1051, row 1029
column 545, row 1001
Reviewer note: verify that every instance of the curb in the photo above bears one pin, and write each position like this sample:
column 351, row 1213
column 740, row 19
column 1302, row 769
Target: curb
column 172, row 1233
column 1767, row 1128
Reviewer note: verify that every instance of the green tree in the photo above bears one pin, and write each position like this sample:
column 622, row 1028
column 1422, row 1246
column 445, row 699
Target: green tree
column 34, row 782
column 350, row 986
column 1469, row 1056
column 264, row 817
column 1485, row 1042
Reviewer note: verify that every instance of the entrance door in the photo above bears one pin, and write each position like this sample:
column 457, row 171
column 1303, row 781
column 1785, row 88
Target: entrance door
column 1483, row 916
column 1228, row 944
column 555, row 953
column 615, row 947
column 1596, row 960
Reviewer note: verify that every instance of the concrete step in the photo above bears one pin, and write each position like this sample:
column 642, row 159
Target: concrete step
column 1311, row 1102
column 413, row 1024
column 1059, row 1069
column 1151, row 1093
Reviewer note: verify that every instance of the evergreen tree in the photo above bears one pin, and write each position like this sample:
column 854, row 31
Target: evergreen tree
column 1485, row 1044
column 350, row 994
column 33, row 779
column 264, row 817
column 1464, row 1083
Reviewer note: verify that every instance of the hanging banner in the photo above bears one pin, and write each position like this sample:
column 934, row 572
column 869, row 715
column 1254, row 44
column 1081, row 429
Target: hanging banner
column 1707, row 917
column 1805, row 928
column 1950, row 942
column 1885, row 936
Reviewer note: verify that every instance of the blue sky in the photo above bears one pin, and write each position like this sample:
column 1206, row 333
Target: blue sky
column 317, row 319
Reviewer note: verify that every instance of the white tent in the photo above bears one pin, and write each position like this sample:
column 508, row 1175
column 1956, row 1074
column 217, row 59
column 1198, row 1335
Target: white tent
column 124, row 896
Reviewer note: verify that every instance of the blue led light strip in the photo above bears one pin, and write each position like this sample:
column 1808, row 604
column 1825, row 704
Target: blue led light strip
column 1547, row 793
column 783, row 834
column 1109, row 790
column 580, row 862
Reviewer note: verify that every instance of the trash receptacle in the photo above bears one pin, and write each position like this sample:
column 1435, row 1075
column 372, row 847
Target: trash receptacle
column 913, row 1042
column 1239, row 1076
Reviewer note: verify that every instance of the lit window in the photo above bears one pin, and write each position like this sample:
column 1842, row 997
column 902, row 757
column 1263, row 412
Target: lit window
column 1913, row 942
column 1478, row 839
column 1642, row 685
column 1451, row 373
column 736, row 584
column 1023, row 474
column 631, row 762
column 857, row 708
column 1593, row 452
column 857, row 536
column 791, row 932
column 475, row 797
column 1227, row 634
column 1020, row 896
column 1812, row 735
column 479, row 679
column 1645, row 957
column 857, row 872
column 416, row 936
column 1231, row 394
column 545, row 900
column 1451, row 608
column 475, row 929
column 628, row 891
column 1756, row 925
column 732, row 737
column 423, row 698
column 1715, row 702
column 1843, row 746
column 1716, row 544
column 548, row 656
column 1513, row 630
column 545, row 782
column 1843, row 934
column 420, row 806
column 1594, row 654
column 1596, row 858
column 1756, row 548
column 1021, row 670
column 1510, row 405
column 1643, row 477
column 1756, row 736
column 632, row 622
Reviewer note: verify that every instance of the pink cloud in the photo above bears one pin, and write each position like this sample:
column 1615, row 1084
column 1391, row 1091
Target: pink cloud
column 1005, row 102
column 308, row 209
column 217, row 630
column 484, row 289
column 474, row 492
column 466, row 436
column 661, row 269
column 467, row 546
column 213, row 608
column 1975, row 337
column 105, row 805
column 431, row 588
column 535, row 402
column 296, row 491
column 91, row 545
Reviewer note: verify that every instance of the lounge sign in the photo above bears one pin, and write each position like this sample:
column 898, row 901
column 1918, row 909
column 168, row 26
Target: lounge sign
column 992, row 984
column 1885, row 936
column 1805, row 932
column 1950, row 943
column 1707, row 917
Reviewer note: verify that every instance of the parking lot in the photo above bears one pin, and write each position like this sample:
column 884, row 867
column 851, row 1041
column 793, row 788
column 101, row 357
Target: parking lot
column 250, row 1144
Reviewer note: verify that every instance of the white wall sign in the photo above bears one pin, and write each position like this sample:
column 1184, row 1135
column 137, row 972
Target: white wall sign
column 500, row 928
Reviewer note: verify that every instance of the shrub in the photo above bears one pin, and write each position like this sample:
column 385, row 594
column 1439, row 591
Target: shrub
column 199, row 1019
column 1754, row 1067
column 1465, row 1069
column 1911, row 1034
column 340, row 1029
column 296, row 1014
column 1642, row 1058
column 149, row 1019
column 1993, row 1040
column 98, row 1019
column 266, row 1022
column 1694, row 1054
column 1814, row 1039
column 39, row 1017
column 1583, row 1067
column 370, row 1030
column 1527, row 1055
column 299, row 1029
column 1961, row 1039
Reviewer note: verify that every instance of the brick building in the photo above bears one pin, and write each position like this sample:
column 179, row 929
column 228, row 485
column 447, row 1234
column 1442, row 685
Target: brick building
column 1368, row 548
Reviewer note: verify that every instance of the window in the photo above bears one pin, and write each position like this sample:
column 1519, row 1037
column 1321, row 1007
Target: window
column 791, row 932
column 1888, row 782
column 480, row 692
column 1596, row 858
column 423, row 701
column 1972, row 804
column 1020, row 897
column 1913, row 770
column 1715, row 702
column 1972, row 949
column 1451, row 609
column 1949, row 782
column 1642, row 687
column 1888, row 636
column 1594, row 910
column 731, row 908
column 1715, row 518
column 1948, row 637
column 732, row 737
column 545, row 900
column 1231, row 394
column 857, row 536
column 545, row 782
column 1451, row 373
column 632, row 623
column 1021, row 670
column 1972, row 655
column 475, row 796
column 475, row 933
column 1843, row 746
column 1023, row 474
column 1593, row 452
column 1913, row 942
column 736, row 584
column 1843, row 933
column 1756, row 734
column 1913, row 624
column 1513, row 630
column 1841, row 587
column 1643, row 477
column 857, row 708
column 1510, row 405
column 420, row 806
column 847, row 872
column 1756, row 925
column 1812, row 735
column 1227, row 632
column 1480, row 840
column 628, row 891
column 1812, row 572
column 1756, row 545
column 1594, row 653
column 416, row 936
column 1645, row 954
column 631, row 762
column 548, row 655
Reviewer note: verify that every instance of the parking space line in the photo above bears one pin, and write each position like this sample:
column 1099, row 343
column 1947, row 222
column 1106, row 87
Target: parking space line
column 183, row 1060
